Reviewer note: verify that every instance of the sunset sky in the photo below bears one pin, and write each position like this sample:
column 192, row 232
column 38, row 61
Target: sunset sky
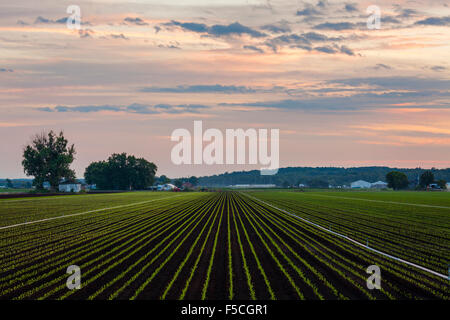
column 340, row 93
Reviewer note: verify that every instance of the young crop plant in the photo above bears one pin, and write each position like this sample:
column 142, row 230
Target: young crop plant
column 211, row 260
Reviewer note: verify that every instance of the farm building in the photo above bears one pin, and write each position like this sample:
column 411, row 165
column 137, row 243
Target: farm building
column 433, row 186
column 70, row 186
column 187, row 185
column 360, row 184
column 379, row 185
column 448, row 186
column 257, row 186
column 88, row 187
column 166, row 187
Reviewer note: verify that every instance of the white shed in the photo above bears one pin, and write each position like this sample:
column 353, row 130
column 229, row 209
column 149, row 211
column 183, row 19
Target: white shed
column 70, row 186
column 379, row 185
column 360, row 184
column 168, row 187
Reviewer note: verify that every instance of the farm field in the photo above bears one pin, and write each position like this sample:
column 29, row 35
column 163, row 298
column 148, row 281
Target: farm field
column 224, row 245
column 15, row 211
column 416, row 229
column 14, row 190
column 412, row 197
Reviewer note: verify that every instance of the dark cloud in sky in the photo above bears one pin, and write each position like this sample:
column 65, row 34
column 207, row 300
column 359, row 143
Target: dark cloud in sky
column 119, row 36
column 200, row 89
column 308, row 11
column 287, row 39
column 335, row 49
column 389, row 19
column 396, row 83
column 435, row 21
column 319, row 104
column 234, row 28
column 322, row 4
column 356, row 102
column 45, row 20
column 6, row 70
column 42, row 20
column 407, row 13
column 338, row 26
column 277, row 28
column 217, row 30
column 326, row 49
column 364, row 94
column 83, row 109
column 190, row 26
column 313, row 10
column 314, row 36
column 351, row 7
column 346, row 50
column 304, row 41
column 137, row 21
column 133, row 108
column 438, row 68
column 381, row 66
column 169, row 46
column 85, row 33
column 254, row 48
column 182, row 108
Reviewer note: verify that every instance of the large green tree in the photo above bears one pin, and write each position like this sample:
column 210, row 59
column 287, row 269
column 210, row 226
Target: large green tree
column 48, row 158
column 426, row 178
column 397, row 180
column 121, row 172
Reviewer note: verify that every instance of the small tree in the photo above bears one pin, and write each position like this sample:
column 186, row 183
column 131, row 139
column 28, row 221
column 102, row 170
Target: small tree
column 193, row 180
column 442, row 183
column 163, row 179
column 426, row 178
column 178, row 183
column 9, row 183
column 48, row 158
column 397, row 180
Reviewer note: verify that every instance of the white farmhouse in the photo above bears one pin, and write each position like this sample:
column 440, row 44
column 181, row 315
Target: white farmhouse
column 70, row 186
column 448, row 186
column 360, row 184
column 168, row 187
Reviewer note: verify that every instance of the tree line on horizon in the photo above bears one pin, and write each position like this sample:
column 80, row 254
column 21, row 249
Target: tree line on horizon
column 320, row 177
column 48, row 158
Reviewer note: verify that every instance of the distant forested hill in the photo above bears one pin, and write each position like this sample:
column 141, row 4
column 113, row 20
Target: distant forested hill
column 316, row 177
column 18, row 183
